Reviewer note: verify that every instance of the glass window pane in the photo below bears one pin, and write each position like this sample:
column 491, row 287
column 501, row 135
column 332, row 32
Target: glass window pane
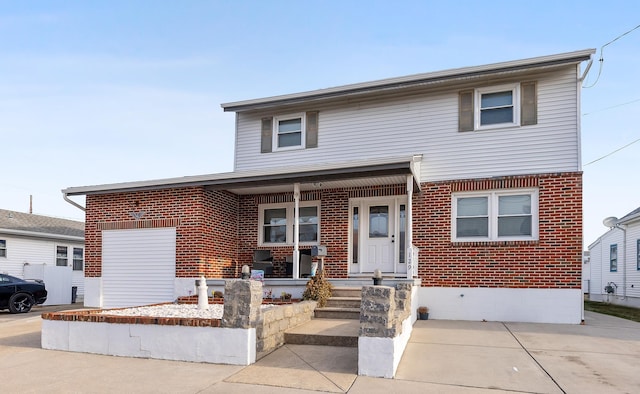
column 308, row 233
column 514, row 205
column 497, row 115
column 356, row 234
column 403, row 225
column 472, row 227
column 291, row 125
column 276, row 234
column 275, row 216
column 293, row 139
column 497, row 99
column 514, row 226
column 473, row 206
column 308, row 215
column 379, row 222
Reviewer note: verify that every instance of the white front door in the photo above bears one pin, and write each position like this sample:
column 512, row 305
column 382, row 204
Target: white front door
column 379, row 236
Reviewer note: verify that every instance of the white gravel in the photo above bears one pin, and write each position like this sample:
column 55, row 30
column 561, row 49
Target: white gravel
column 214, row 311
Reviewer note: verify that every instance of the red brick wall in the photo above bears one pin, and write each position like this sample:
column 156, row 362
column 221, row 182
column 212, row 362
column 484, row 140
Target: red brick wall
column 217, row 232
column 206, row 226
column 554, row 261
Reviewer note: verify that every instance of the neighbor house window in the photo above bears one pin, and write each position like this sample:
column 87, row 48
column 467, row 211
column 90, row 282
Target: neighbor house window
column 3, row 248
column 288, row 132
column 78, row 259
column 277, row 223
column 494, row 216
column 613, row 258
column 638, row 254
column 62, row 256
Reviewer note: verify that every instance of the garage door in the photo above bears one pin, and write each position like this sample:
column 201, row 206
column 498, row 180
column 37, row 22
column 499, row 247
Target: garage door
column 138, row 266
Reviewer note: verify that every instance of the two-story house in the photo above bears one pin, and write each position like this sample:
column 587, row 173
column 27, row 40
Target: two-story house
column 466, row 181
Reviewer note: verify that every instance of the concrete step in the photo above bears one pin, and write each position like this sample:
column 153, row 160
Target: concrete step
column 337, row 313
column 325, row 332
column 346, row 291
column 344, row 302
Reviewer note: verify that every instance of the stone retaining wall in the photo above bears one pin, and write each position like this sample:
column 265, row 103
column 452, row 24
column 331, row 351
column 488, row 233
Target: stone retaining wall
column 275, row 321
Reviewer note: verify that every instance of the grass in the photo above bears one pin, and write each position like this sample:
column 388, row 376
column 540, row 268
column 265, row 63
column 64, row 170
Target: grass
column 624, row 312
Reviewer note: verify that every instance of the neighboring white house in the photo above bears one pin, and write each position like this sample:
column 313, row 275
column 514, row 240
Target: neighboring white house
column 29, row 243
column 615, row 262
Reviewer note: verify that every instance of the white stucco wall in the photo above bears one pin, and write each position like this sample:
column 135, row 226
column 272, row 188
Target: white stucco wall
column 380, row 357
column 198, row 344
column 500, row 304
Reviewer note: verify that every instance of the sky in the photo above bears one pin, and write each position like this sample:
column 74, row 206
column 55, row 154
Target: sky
column 101, row 92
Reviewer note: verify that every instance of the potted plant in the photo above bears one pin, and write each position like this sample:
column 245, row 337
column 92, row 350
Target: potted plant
column 423, row 313
column 285, row 297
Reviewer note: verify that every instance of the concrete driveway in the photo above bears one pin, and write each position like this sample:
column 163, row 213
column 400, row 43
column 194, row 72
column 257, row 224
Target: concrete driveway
column 442, row 357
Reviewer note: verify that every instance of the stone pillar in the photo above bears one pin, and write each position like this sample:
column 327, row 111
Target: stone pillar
column 377, row 312
column 242, row 302
column 403, row 299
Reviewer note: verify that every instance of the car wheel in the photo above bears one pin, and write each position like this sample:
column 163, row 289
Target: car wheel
column 20, row 303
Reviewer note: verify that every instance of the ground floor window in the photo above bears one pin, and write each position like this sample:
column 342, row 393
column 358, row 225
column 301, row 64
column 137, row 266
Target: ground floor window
column 277, row 223
column 62, row 256
column 78, row 259
column 495, row 215
column 3, row 248
column 613, row 258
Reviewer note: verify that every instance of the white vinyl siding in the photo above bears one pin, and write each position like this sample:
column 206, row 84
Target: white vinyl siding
column 27, row 251
column 138, row 266
column 427, row 124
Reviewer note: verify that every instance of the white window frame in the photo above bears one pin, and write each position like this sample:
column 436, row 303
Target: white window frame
column 290, row 221
column 74, row 260
column 515, row 91
column 276, row 124
column 66, row 256
column 3, row 248
column 493, row 199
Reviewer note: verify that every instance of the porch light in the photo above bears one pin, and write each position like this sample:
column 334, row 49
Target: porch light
column 377, row 277
column 246, row 274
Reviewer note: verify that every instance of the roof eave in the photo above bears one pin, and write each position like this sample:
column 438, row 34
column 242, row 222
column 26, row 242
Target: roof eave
column 36, row 234
column 409, row 81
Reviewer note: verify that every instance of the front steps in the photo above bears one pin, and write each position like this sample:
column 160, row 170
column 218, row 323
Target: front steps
column 336, row 324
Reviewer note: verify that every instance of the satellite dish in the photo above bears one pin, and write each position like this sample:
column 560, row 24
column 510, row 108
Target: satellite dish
column 611, row 221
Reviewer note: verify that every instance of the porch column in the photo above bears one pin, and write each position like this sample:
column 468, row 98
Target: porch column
column 409, row 241
column 296, row 232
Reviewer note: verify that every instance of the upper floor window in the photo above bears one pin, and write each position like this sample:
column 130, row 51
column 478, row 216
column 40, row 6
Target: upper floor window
column 495, row 216
column 287, row 132
column 3, row 248
column 78, row 259
column 62, row 256
column 277, row 223
column 613, row 258
column 498, row 106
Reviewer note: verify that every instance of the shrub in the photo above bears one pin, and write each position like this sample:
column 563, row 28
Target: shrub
column 318, row 289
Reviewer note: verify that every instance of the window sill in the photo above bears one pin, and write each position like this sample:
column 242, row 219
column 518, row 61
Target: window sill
column 496, row 243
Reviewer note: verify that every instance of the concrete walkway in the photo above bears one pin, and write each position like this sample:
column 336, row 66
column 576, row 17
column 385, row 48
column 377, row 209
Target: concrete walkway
column 442, row 357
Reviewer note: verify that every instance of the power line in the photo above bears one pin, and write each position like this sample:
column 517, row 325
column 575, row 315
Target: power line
column 610, row 153
column 613, row 106
column 601, row 60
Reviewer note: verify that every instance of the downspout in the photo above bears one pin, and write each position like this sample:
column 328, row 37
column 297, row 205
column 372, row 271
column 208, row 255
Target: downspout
column 75, row 204
column 296, row 232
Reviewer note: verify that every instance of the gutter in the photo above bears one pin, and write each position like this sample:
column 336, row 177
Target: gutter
column 75, row 204
column 35, row 234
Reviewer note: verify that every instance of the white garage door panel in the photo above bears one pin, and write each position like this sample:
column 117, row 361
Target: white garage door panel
column 138, row 266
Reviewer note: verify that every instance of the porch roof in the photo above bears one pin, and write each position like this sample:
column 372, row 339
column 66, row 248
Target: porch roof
column 383, row 171
column 412, row 81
